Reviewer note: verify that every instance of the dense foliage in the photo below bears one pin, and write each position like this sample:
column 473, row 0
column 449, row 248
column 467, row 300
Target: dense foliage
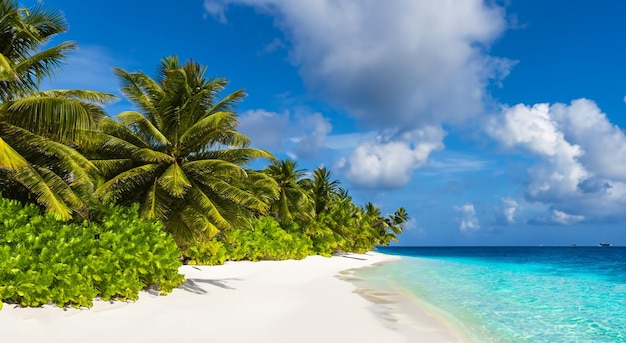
column 180, row 157
column 265, row 240
column 43, row 260
column 37, row 128
column 175, row 162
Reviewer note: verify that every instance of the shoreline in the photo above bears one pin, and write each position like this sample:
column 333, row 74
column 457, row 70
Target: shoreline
column 403, row 312
column 269, row 301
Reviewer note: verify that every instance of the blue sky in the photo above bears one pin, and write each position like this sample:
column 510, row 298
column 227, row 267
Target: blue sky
column 492, row 123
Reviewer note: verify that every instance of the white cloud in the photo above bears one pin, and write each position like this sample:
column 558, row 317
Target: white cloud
column 468, row 222
column 388, row 162
column 216, row 10
column 581, row 171
column 391, row 64
column 266, row 129
column 405, row 64
column 302, row 134
column 506, row 211
column 604, row 143
column 556, row 217
column 317, row 128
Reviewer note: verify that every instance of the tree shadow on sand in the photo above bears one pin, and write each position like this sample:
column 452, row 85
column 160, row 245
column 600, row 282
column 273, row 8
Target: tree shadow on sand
column 348, row 255
column 193, row 285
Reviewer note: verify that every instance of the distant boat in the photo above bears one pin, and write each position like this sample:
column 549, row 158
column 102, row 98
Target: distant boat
column 604, row 244
column 574, row 245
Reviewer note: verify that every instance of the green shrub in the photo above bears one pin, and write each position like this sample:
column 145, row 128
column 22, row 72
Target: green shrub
column 43, row 260
column 210, row 252
column 264, row 240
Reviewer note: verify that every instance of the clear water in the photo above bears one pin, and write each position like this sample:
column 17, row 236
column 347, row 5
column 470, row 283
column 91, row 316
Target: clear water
column 517, row 294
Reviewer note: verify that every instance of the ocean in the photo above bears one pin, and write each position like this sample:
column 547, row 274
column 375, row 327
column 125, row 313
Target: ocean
column 515, row 294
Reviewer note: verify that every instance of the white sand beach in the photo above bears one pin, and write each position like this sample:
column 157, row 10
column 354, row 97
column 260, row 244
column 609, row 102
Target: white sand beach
column 269, row 301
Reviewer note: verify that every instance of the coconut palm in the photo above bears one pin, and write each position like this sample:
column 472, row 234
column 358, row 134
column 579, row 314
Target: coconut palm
column 388, row 228
column 35, row 164
column 180, row 155
column 293, row 200
column 322, row 188
column 23, row 64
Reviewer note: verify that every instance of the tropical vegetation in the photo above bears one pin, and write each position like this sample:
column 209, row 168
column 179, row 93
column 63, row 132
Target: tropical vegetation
column 103, row 206
column 180, row 156
column 44, row 260
column 40, row 129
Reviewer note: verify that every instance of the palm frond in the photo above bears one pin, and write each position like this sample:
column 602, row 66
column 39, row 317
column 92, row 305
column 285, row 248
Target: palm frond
column 86, row 95
column 46, row 22
column 214, row 167
column 128, row 181
column 207, row 130
column 171, row 105
column 156, row 204
column 43, row 64
column 54, row 117
column 227, row 104
column 45, row 189
column 39, row 150
column 6, row 70
column 200, row 200
column 115, row 132
column 236, row 194
column 190, row 224
column 143, row 125
column 112, row 166
column 152, row 156
column 142, row 91
column 174, row 181
column 9, row 158
column 262, row 185
column 239, row 156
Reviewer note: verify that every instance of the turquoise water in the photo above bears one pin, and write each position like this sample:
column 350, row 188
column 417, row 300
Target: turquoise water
column 517, row 294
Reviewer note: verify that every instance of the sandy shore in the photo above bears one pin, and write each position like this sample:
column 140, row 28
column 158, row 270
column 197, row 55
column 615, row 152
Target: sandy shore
column 269, row 301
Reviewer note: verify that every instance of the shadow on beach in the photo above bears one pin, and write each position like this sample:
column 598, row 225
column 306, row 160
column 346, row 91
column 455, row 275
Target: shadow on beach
column 348, row 255
column 192, row 285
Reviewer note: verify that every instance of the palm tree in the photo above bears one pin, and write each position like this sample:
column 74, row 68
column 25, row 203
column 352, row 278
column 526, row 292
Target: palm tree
column 180, row 155
column 293, row 200
column 35, row 162
column 322, row 188
column 23, row 64
column 387, row 228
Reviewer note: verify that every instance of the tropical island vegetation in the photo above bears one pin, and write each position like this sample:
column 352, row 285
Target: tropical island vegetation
column 94, row 206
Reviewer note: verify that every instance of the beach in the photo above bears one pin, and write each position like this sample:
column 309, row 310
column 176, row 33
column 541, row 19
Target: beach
column 310, row 300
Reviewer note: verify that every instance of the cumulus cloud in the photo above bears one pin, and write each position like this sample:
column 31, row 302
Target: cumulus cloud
column 388, row 161
column 556, row 217
column 604, row 143
column 468, row 222
column 302, row 134
column 317, row 128
column 391, row 64
column 506, row 211
column 406, row 64
column 266, row 129
column 582, row 158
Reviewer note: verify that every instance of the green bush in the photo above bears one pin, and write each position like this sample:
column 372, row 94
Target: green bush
column 210, row 252
column 264, row 240
column 43, row 260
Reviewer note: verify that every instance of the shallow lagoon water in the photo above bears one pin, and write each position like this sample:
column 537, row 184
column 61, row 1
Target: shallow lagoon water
column 516, row 294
